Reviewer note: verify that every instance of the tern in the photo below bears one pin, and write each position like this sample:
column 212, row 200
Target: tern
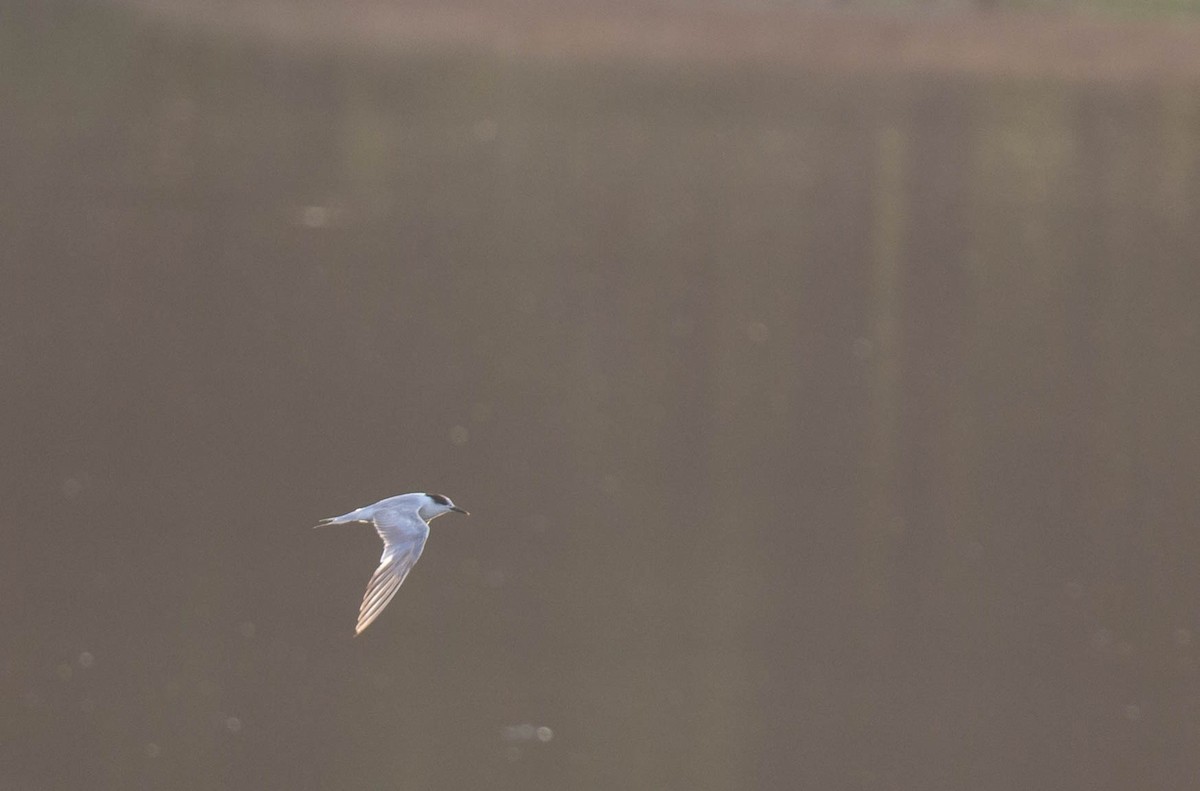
column 403, row 524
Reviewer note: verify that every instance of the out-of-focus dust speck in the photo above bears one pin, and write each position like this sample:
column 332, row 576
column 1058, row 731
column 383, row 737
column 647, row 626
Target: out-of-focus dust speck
column 1073, row 589
column 758, row 332
column 485, row 130
column 864, row 348
column 495, row 578
column 1102, row 638
column 525, row 733
column 315, row 216
column 246, row 629
column 1133, row 712
column 72, row 488
column 1182, row 637
column 481, row 413
column 86, row 659
column 540, row 523
column 233, row 724
column 64, row 671
column 153, row 750
column 1124, row 649
column 610, row 485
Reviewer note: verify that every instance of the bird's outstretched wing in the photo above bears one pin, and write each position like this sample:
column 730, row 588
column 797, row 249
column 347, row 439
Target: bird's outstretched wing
column 403, row 534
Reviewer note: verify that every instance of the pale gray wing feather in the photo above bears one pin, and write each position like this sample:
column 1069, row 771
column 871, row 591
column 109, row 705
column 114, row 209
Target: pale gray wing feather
column 403, row 534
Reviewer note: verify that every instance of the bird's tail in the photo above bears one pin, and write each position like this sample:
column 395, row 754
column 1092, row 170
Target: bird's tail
column 344, row 519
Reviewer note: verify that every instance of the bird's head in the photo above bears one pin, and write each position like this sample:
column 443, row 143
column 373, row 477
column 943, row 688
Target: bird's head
column 434, row 505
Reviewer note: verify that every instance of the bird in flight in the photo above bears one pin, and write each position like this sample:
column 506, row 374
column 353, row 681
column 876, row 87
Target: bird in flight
column 403, row 524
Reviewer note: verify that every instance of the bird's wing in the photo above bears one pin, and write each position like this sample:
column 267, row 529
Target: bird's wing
column 403, row 534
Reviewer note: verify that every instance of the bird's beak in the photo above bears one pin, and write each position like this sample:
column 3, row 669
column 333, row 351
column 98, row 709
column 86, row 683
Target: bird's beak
column 462, row 511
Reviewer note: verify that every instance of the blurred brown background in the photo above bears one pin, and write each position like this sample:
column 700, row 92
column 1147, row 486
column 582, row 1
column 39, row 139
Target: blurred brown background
column 822, row 378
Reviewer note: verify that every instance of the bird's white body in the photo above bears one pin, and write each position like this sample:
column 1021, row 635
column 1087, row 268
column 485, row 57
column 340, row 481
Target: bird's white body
column 403, row 524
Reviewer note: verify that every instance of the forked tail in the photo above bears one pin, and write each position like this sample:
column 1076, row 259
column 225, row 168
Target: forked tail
column 344, row 519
